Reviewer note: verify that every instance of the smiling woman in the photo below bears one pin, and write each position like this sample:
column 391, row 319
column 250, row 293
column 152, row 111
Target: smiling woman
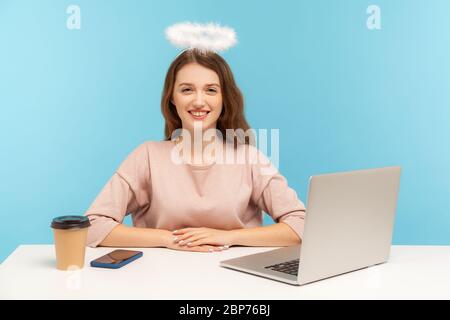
column 185, row 206
column 188, row 90
column 199, row 100
column 201, row 86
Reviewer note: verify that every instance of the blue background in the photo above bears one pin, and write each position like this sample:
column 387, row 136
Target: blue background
column 74, row 103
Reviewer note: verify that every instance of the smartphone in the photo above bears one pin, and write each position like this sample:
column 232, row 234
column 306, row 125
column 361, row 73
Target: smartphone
column 116, row 259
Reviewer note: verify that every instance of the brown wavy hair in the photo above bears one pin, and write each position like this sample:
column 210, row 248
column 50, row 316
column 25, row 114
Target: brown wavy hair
column 232, row 115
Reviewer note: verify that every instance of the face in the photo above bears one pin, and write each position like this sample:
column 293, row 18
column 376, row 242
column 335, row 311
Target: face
column 197, row 96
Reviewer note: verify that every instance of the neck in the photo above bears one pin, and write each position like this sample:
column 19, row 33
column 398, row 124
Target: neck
column 200, row 148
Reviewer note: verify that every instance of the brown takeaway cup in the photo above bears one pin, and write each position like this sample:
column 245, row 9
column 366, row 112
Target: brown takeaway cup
column 70, row 241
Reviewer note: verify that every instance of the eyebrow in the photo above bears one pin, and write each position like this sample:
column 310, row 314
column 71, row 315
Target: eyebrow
column 208, row 84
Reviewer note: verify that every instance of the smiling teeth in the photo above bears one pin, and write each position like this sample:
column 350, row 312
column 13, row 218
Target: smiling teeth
column 199, row 114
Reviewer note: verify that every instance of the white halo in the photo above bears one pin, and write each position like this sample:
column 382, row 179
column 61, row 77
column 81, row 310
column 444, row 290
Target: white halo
column 206, row 37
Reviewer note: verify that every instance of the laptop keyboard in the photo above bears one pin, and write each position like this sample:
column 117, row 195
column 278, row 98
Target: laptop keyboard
column 289, row 267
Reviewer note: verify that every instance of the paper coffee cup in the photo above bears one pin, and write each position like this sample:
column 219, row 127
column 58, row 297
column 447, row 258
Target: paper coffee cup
column 70, row 234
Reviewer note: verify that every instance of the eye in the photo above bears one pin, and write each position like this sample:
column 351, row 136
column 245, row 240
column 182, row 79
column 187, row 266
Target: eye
column 186, row 89
column 212, row 90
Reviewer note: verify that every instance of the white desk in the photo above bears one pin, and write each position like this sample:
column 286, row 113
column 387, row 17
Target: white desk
column 413, row 272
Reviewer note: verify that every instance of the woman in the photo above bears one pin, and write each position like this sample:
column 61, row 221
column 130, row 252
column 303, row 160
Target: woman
column 196, row 205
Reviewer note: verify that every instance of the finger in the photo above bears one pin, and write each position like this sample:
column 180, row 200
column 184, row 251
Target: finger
column 202, row 242
column 179, row 238
column 197, row 240
column 185, row 230
column 212, row 248
column 221, row 248
column 181, row 231
column 189, row 237
column 203, row 248
column 197, row 249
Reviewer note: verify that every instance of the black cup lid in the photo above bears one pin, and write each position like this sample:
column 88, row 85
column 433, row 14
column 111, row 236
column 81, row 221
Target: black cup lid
column 70, row 222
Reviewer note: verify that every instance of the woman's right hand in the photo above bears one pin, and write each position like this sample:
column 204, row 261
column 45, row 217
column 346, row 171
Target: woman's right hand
column 170, row 244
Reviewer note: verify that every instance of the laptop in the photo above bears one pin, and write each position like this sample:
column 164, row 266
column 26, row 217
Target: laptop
column 348, row 226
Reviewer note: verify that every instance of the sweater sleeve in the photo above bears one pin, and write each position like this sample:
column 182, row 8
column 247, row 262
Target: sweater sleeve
column 128, row 190
column 272, row 194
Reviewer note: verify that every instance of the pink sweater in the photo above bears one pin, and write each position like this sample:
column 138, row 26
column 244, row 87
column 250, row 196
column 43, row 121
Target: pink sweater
column 162, row 194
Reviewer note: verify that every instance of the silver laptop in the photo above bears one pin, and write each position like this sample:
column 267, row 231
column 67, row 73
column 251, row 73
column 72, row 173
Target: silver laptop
column 348, row 226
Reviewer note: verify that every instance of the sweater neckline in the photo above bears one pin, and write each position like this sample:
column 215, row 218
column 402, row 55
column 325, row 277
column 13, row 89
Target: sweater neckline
column 200, row 166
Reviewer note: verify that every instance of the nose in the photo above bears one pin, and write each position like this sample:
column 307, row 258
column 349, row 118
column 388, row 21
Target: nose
column 199, row 101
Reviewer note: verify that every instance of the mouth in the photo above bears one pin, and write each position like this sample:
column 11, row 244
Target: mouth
column 198, row 115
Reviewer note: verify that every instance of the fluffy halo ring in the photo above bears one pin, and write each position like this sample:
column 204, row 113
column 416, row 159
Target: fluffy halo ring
column 205, row 37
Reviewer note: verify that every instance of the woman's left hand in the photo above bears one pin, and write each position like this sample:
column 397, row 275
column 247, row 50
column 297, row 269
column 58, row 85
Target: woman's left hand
column 203, row 236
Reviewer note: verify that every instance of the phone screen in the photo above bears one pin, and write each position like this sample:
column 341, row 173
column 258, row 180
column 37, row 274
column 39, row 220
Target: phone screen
column 117, row 256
